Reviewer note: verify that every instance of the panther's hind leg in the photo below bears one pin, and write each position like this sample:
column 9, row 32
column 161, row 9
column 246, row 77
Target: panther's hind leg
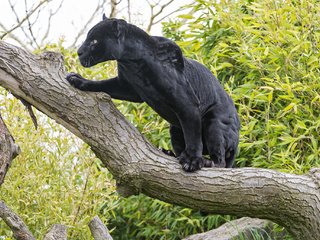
column 178, row 145
column 213, row 134
column 230, row 156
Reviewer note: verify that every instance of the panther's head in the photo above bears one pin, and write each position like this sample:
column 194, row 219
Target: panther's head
column 104, row 42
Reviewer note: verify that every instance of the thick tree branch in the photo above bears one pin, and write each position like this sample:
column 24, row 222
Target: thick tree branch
column 138, row 166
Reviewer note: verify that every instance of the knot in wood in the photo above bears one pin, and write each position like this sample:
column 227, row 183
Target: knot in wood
column 52, row 56
column 129, row 183
column 315, row 174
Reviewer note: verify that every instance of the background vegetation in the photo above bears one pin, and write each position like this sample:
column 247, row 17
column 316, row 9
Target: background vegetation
column 266, row 55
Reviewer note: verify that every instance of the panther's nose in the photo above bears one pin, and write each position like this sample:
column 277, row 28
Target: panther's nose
column 80, row 52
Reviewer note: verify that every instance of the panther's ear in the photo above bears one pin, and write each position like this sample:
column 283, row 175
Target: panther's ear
column 170, row 53
column 118, row 27
column 104, row 17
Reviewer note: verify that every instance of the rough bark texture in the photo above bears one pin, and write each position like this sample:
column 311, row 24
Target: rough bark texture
column 15, row 223
column 98, row 230
column 292, row 201
column 238, row 229
column 56, row 232
column 8, row 150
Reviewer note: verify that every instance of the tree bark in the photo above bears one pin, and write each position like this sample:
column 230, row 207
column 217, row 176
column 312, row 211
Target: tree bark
column 8, row 150
column 98, row 230
column 292, row 201
column 15, row 223
column 237, row 229
column 56, row 232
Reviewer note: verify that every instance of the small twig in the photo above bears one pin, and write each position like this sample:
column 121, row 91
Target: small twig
column 82, row 196
column 52, row 13
column 30, row 25
column 129, row 11
column 154, row 15
column 85, row 26
column 12, row 6
column 29, row 109
column 167, row 15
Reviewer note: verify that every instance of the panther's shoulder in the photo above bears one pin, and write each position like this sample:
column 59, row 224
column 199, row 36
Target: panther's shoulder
column 169, row 52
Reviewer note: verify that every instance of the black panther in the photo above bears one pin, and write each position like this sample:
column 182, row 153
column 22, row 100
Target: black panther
column 203, row 118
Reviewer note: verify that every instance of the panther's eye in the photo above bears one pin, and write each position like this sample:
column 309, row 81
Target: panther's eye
column 93, row 42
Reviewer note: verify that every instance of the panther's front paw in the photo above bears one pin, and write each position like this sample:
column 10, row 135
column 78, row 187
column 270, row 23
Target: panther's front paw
column 75, row 80
column 190, row 163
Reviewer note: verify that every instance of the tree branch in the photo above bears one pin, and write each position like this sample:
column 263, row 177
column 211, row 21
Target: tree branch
column 8, row 150
column 138, row 166
column 14, row 37
column 154, row 15
column 98, row 230
column 56, row 232
column 14, row 222
column 85, row 26
column 236, row 229
column 24, row 19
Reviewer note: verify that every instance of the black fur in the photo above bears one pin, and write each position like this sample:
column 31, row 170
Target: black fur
column 203, row 119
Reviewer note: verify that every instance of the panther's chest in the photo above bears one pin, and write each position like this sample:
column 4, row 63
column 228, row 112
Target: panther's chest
column 151, row 85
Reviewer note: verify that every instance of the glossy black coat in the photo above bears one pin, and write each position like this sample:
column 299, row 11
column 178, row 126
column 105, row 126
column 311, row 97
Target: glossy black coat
column 203, row 119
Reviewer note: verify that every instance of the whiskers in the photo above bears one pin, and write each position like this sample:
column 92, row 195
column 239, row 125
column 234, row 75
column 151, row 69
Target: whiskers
column 88, row 61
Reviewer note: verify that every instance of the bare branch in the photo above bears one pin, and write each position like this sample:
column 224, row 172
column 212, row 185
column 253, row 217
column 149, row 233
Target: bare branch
column 13, row 9
column 129, row 10
column 82, row 197
column 51, row 14
column 113, row 12
column 15, row 223
column 154, row 15
column 85, row 26
column 24, row 19
column 30, row 25
column 98, row 230
column 167, row 15
column 14, row 37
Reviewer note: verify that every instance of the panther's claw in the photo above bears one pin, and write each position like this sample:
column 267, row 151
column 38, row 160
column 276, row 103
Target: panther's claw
column 75, row 79
column 190, row 163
